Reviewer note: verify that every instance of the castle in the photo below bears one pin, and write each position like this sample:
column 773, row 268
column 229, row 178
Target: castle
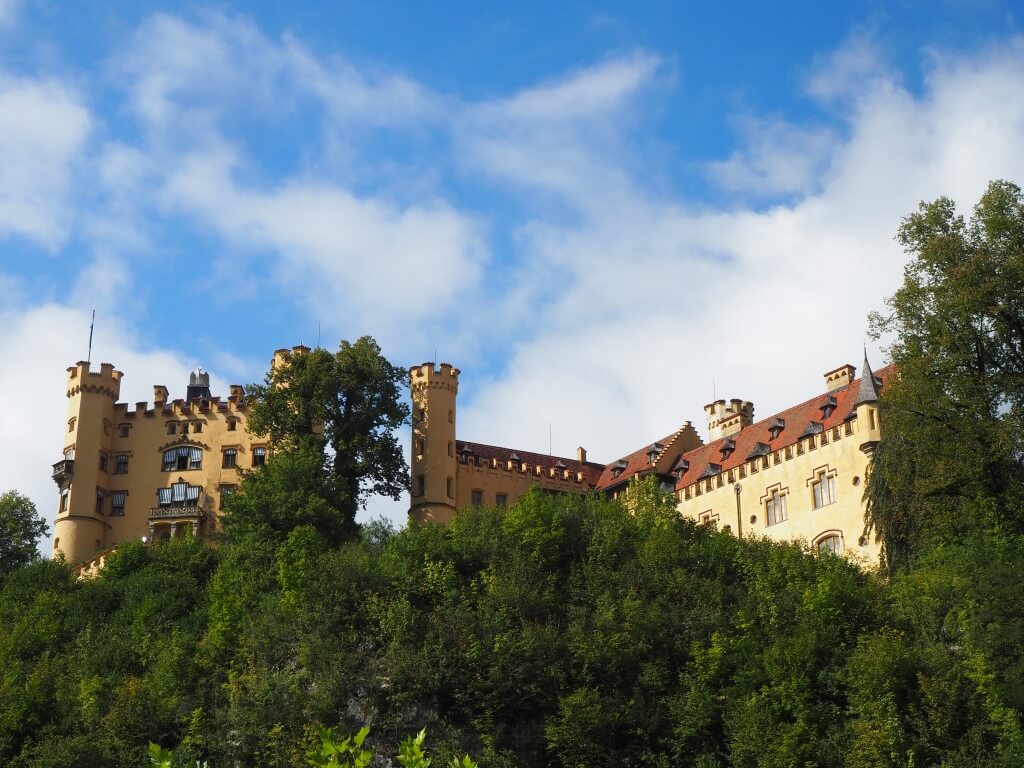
column 796, row 475
column 158, row 471
column 163, row 470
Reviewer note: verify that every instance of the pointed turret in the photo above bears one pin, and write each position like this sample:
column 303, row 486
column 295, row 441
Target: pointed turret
column 867, row 409
column 868, row 390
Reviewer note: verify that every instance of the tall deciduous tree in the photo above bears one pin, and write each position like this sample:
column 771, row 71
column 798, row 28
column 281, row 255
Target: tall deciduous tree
column 344, row 407
column 21, row 528
column 954, row 416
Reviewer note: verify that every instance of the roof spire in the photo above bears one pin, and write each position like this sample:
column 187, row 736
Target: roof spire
column 868, row 392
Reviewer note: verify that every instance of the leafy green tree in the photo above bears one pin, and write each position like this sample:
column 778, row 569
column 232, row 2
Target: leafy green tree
column 954, row 415
column 21, row 528
column 344, row 407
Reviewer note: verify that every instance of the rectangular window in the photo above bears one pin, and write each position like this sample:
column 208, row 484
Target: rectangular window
column 421, row 484
column 259, row 456
column 195, row 458
column 121, row 464
column 184, row 427
column 64, row 500
column 197, row 427
column 103, row 462
column 775, row 507
column 99, row 502
column 501, row 500
column 124, row 430
column 164, row 497
column 117, row 499
column 230, row 459
column 172, row 428
column 232, row 425
column 450, row 488
column 824, row 488
column 476, row 498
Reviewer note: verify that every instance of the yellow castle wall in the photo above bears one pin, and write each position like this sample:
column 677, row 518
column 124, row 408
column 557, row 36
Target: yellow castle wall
column 737, row 498
column 103, row 431
column 493, row 479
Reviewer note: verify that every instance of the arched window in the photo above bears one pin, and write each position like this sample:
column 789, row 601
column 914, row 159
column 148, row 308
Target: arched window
column 830, row 543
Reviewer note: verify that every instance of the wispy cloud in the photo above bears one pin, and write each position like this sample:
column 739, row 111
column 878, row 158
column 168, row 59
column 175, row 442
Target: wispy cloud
column 43, row 127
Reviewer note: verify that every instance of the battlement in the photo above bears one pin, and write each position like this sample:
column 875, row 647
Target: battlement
column 523, row 468
column 445, row 376
column 728, row 419
column 106, row 381
column 283, row 355
column 236, row 403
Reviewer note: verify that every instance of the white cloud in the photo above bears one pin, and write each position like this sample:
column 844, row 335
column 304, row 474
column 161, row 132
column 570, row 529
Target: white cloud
column 563, row 137
column 192, row 75
column 8, row 12
column 43, row 126
column 778, row 158
column 388, row 266
column 855, row 68
column 661, row 302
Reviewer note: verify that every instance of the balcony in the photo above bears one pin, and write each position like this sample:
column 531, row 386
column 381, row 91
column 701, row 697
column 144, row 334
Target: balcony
column 63, row 471
column 172, row 513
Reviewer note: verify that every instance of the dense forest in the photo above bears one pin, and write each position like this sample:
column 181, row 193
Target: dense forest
column 565, row 630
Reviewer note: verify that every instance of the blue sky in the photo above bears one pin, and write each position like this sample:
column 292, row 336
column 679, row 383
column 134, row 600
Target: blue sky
column 606, row 214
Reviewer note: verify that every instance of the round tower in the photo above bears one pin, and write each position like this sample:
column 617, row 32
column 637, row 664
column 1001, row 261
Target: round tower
column 434, row 465
column 80, row 528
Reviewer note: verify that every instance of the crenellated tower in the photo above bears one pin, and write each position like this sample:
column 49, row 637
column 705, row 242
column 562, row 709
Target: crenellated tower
column 434, row 463
column 81, row 475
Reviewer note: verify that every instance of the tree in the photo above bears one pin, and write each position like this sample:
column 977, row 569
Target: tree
column 345, row 407
column 953, row 416
column 21, row 528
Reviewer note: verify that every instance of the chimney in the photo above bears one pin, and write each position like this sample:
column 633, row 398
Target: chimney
column 840, row 377
column 581, row 454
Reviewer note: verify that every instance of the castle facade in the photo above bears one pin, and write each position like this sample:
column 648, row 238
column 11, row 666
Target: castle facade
column 163, row 469
column 156, row 471
column 797, row 475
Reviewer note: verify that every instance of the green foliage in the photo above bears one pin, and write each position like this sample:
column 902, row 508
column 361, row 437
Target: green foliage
column 21, row 528
column 954, row 415
column 566, row 631
column 344, row 753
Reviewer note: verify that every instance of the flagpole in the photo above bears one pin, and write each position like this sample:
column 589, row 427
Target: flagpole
column 91, row 325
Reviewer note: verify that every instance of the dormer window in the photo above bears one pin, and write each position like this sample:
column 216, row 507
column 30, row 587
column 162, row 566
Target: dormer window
column 680, row 468
column 828, row 407
column 619, row 467
column 813, row 428
column 653, row 451
column 761, row 449
column 710, row 471
column 776, row 427
column 728, row 446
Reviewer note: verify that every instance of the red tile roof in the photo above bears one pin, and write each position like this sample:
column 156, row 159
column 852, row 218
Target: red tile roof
column 635, row 464
column 591, row 470
column 604, row 476
column 796, row 420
